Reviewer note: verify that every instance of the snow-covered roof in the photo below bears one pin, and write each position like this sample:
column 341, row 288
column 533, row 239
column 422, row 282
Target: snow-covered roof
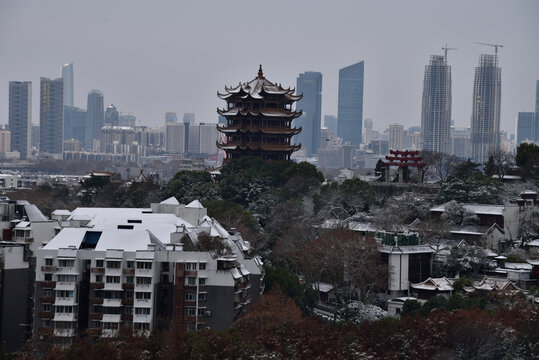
column 492, row 284
column 534, row 242
column 170, row 201
column 34, row 214
column 22, row 224
column 432, row 284
column 533, row 262
column 322, row 287
column 195, row 204
column 61, row 212
column 235, row 273
column 482, row 209
column 517, row 266
column 413, row 249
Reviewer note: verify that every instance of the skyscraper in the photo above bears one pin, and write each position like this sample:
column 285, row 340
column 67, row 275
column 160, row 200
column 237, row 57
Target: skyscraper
column 310, row 85
column 395, row 137
column 94, row 118
column 170, row 116
column 537, row 112
column 485, row 124
column 350, row 113
column 330, row 121
column 112, row 117
column 436, row 106
column 67, row 75
column 51, row 116
column 526, row 127
column 20, row 116
column 74, row 123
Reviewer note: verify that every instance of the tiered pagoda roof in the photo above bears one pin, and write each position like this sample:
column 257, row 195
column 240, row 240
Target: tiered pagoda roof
column 259, row 117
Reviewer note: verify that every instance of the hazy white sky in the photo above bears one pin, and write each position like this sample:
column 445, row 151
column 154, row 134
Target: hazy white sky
column 149, row 57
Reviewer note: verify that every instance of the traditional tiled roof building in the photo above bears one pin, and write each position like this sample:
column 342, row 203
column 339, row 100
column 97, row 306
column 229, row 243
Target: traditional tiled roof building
column 259, row 118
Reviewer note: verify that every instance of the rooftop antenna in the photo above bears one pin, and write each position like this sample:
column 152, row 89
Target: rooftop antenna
column 445, row 49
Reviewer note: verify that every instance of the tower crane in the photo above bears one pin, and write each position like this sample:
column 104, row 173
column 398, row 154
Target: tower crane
column 445, row 49
column 496, row 46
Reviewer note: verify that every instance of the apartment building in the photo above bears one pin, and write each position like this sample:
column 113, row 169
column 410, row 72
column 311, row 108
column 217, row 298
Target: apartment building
column 142, row 269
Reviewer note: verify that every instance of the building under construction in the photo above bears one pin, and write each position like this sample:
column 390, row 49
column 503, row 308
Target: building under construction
column 436, row 106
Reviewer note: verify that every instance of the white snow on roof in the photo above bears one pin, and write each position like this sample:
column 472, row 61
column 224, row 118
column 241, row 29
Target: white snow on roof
column 518, row 266
column 476, row 208
column 534, row 242
column 22, row 224
column 440, row 284
column 533, row 262
column 414, row 249
column 66, row 238
column 61, row 212
column 322, row 287
column 235, row 273
column 463, row 232
column 170, row 201
column 195, row 204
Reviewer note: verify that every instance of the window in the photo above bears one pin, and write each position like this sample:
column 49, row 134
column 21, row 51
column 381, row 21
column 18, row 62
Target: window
column 142, row 311
column 202, row 296
column 95, row 324
column 64, row 293
column 99, row 278
column 202, row 266
column 165, row 267
column 129, row 279
column 189, row 296
column 201, row 281
column 128, row 294
column 48, row 277
column 67, row 278
column 113, row 279
column 144, row 265
column 144, row 280
column 143, row 295
column 66, row 263
column 64, row 309
column 130, row 264
column 128, row 310
column 48, row 262
column 114, row 264
column 141, row 326
column 46, row 307
column 191, row 281
column 99, row 263
column 201, row 311
column 47, row 293
column 190, row 266
column 45, row 323
column 189, row 311
column 111, row 326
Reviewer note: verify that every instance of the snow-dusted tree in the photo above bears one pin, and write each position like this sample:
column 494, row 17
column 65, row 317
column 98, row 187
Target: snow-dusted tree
column 465, row 260
column 356, row 312
column 457, row 214
column 529, row 225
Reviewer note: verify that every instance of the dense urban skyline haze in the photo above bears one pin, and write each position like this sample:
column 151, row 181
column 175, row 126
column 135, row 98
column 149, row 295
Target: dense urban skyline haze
column 151, row 57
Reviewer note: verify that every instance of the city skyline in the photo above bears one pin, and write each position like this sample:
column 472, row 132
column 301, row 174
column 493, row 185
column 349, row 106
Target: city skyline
column 187, row 81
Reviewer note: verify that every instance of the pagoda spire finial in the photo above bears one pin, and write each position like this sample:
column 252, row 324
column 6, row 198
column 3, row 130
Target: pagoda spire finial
column 260, row 73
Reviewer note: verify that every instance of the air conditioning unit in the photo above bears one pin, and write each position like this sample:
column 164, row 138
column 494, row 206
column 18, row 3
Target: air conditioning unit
column 207, row 313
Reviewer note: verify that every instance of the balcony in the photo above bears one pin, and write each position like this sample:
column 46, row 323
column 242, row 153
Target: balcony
column 112, row 302
column 128, row 286
column 96, row 316
column 64, row 332
column 49, row 268
column 45, row 331
column 46, row 314
column 97, row 285
column 96, row 301
column 94, row 331
column 47, row 284
column 128, row 271
column 127, row 302
column 98, row 270
column 190, row 273
column 46, row 299
column 126, row 317
column 29, row 240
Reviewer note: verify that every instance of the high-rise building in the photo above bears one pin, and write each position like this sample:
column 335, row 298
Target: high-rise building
column 20, row 116
column 193, row 145
column 112, row 117
column 208, row 138
column 175, row 138
column 395, row 137
column 51, row 116
column 350, row 113
column 69, row 92
column 127, row 120
column 537, row 112
column 5, row 142
column 460, row 142
column 526, row 127
column 170, row 116
column 330, row 122
column 189, row 118
column 485, row 124
column 436, row 106
column 310, row 85
column 74, row 123
column 94, row 118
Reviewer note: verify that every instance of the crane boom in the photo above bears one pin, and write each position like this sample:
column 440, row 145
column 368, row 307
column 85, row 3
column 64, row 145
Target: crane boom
column 496, row 46
column 445, row 49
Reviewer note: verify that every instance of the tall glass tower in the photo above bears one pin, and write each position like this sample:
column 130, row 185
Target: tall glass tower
column 69, row 92
column 51, row 117
column 310, row 85
column 436, row 106
column 487, row 93
column 350, row 112
column 95, row 114
column 20, row 116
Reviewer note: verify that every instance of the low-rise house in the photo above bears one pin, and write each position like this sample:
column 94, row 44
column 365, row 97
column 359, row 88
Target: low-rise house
column 141, row 268
column 432, row 287
column 492, row 284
